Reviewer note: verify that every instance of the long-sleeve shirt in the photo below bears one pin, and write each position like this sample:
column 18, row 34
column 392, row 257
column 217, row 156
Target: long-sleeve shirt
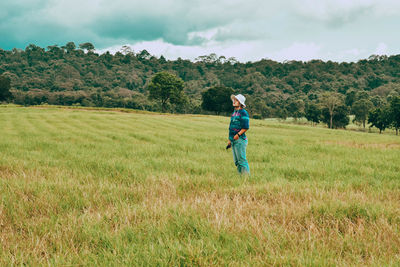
column 239, row 121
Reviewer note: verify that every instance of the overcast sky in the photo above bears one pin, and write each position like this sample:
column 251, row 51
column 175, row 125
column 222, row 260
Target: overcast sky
column 339, row 30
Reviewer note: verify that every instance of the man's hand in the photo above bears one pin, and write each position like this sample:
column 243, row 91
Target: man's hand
column 229, row 144
column 236, row 137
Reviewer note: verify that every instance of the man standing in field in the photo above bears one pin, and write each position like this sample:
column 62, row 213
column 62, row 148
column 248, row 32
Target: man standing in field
column 237, row 137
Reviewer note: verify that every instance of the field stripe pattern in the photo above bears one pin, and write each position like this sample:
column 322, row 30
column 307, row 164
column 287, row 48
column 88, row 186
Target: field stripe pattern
column 81, row 187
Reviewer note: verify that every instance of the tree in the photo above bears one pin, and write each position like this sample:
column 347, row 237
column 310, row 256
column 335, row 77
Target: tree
column 339, row 118
column 281, row 113
column 295, row 108
column 127, row 50
column 274, row 88
column 257, row 107
column 392, row 95
column 143, row 55
column 70, row 47
column 5, row 85
column 377, row 101
column 217, row 99
column 374, row 81
column 350, row 97
column 54, row 51
column 330, row 101
column 313, row 113
column 379, row 118
column 162, row 60
column 87, row 46
column 166, row 87
column 395, row 112
column 34, row 53
column 361, row 110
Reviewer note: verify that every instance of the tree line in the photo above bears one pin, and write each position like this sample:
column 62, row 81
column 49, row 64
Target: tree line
column 321, row 91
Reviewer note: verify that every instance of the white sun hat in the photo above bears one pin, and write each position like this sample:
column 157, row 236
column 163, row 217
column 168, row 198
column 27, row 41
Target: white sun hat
column 240, row 98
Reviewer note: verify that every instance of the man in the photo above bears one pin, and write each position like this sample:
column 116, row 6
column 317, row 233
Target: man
column 237, row 137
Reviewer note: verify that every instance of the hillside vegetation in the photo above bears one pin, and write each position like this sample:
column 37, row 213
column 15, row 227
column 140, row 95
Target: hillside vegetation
column 71, row 75
column 103, row 188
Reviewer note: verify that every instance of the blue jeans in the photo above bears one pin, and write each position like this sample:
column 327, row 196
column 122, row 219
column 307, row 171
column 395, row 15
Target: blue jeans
column 239, row 155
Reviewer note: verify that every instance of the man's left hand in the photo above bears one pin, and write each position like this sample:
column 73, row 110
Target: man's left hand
column 236, row 137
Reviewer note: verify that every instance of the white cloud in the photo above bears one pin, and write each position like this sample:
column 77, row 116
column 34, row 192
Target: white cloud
column 387, row 7
column 248, row 30
column 343, row 11
column 242, row 51
column 297, row 51
column 381, row 49
column 353, row 52
column 347, row 55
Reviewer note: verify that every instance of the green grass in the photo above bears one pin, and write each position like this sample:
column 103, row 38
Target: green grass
column 95, row 187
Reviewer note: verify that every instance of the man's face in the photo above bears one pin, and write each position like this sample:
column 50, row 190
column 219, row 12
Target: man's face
column 236, row 103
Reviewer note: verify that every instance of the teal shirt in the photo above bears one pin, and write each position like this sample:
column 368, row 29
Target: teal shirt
column 239, row 121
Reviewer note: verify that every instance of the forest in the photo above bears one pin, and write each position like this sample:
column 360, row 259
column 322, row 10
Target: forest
column 320, row 91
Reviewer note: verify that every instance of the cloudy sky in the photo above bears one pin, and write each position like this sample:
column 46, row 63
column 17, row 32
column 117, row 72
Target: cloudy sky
column 339, row 30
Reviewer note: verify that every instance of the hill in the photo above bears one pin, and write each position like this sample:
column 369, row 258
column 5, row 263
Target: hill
column 71, row 75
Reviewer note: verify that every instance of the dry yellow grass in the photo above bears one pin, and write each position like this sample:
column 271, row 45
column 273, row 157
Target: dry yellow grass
column 92, row 188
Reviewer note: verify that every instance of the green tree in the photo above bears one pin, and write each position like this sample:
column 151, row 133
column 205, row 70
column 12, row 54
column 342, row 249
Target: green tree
column 34, row 53
column 338, row 119
column 392, row 95
column 331, row 101
column 217, row 99
column 87, row 46
column 313, row 113
column 273, row 87
column 54, row 51
column 257, row 107
column 361, row 109
column 166, row 88
column 295, row 108
column 380, row 118
column 377, row 101
column 162, row 60
column 5, row 85
column 350, row 97
column 361, row 95
column 281, row 113
column 395, row 112
column 374, row 81
column 144, row 55
column 70, row 47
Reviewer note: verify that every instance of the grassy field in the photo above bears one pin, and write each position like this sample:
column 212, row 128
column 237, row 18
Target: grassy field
column 81, row 187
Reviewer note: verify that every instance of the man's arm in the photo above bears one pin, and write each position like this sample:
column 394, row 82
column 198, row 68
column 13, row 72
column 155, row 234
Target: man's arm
column 242, row 131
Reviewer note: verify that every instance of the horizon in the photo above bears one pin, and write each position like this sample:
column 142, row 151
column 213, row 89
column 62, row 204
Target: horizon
column 116, row 49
